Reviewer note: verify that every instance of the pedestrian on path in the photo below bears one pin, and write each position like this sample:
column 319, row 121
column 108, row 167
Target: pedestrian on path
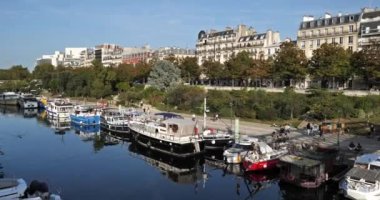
column 308, row 127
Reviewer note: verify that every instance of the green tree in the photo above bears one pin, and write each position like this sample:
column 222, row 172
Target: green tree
column 213, row 71
column 330, row 62
column 290, row 63
column 190, row 69
column 367, row 63
column 163, row 75
column 237, row 65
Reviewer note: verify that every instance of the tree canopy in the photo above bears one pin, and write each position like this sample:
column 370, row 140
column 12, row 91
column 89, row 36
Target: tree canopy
column 164, row 74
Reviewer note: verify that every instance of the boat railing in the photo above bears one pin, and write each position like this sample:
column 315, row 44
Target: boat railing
column 362, row 186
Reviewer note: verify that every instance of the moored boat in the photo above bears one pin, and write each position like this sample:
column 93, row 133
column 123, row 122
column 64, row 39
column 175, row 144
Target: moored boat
column 308, row 168
column 59, row 109
column 85, row 115
column 363, row 180
column 174, row 136
column 117, row 121
column 8, row 98
column 11, row 188
column 27, row 101
column 234, row 154
column 262, row 157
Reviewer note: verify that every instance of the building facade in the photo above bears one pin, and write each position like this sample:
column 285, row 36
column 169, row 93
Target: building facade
column 134, row 55
column 179, row 53
column 56, row 59
column 369, row 27
column 109, row 54
column 78, row 57
column 340, row 29
column 221, row 45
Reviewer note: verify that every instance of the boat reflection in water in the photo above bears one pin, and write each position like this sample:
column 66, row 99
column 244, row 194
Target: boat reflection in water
column 30, row 112
column 59, row 127
column 86, row 132
column 259, row 182
column 182, row 171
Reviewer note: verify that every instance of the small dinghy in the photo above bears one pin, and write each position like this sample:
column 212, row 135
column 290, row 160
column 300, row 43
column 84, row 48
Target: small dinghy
column 11, row 188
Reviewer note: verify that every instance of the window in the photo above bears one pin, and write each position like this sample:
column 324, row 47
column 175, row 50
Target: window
column 334, row 30
column 351, row 28
column 341, row 29
column 367, row 29
column 326, row 31
column 350, row 39
column 311, row 33
column 350, row 48
column 319, row 32
column 333, row 40
column 311, row 43
column 303, row 44
column 318, row 42
column 351, row 18
column 303, row 34
column 341, row 40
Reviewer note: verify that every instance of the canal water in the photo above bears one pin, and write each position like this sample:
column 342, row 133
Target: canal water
column 77, row 164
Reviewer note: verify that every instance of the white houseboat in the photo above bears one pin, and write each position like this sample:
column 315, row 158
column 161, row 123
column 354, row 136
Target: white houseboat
column 60, row 109
column 174, row 136
column 8, row 98
column 27, row 101
column 363, row 180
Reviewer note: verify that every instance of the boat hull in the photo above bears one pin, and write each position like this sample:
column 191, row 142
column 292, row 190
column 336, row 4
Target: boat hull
column 85, row 120
column 120, row 129
column 170, row 148
column 218, row 144
column 260, row 165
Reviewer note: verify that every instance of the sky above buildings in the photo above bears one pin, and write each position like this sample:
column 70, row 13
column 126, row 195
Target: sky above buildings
column 30, row 28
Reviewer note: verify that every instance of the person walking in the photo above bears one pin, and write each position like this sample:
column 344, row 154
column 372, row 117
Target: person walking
column 308, row 127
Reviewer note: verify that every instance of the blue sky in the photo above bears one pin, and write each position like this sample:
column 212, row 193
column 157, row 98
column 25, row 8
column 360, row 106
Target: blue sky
column 31, row 28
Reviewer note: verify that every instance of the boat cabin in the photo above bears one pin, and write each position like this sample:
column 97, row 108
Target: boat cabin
column 177, row 127
column 302, row 171
column 363, row 180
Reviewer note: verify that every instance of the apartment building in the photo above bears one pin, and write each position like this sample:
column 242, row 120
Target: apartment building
column 134, row 55
column 221, row 45
column 180, row 53
column 340, row 29
column 109, row 54
column 78, row 57
column 369, row 27
column 55, row 59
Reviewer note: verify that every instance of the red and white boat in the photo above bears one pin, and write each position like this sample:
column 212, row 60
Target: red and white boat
column 262, row 157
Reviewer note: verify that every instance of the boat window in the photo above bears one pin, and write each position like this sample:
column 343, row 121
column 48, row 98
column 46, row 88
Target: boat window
column 374, row 167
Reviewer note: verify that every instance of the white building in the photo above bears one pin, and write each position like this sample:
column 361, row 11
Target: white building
column 56, row 59
column 134, row 55
column 221, row 45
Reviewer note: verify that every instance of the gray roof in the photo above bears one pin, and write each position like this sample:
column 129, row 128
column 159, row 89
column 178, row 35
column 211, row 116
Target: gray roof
column 333, row 21
column 180, row 122
column 253, row 37
column 299, row 161
column 369, row 15
column 367, row 158
column 368, row 175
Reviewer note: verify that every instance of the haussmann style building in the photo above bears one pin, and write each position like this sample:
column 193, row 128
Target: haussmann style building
column 219, row 46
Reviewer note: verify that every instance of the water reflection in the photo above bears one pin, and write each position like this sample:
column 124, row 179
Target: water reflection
column 189, row 171
column 86, row 133
column 31, row 112
column 58, row 126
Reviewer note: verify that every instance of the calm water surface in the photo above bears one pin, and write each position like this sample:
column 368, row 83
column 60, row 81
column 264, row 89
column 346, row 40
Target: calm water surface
column 79, row 166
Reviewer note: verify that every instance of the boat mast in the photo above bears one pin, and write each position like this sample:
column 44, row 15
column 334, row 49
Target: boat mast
column 204, row 113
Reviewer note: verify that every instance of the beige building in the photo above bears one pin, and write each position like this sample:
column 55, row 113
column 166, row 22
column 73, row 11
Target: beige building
column 340, row 29
column 221, row 45
column 369, row 27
